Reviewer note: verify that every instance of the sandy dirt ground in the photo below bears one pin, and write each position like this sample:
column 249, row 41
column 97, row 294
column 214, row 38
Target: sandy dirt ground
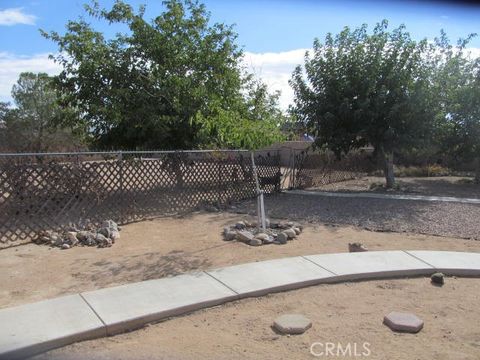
column 170, row 246
column 349, row 313
column 439, row 186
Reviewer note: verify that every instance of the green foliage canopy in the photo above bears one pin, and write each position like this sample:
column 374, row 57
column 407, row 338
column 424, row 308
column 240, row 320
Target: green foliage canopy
column 163, row 84
column 359, row 89
column 32, row 125
column 457, row 88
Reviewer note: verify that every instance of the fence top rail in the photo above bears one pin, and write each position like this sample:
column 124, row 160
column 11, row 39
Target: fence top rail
column 86, row 153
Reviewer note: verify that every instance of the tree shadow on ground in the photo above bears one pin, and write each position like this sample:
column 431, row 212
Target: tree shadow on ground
column 142, row 267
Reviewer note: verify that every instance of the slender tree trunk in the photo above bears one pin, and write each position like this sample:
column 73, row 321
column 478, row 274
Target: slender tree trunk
column 388, row 168
column 477, row 171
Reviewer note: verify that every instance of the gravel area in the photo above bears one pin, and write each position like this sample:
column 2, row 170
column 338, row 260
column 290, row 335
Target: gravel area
column 437, row 186
column 421, row 217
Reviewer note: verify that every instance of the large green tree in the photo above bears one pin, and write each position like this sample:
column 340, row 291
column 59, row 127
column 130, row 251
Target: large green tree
column 33, row 123
column 156, row 85
column 360, row 89
column 457, row 89
column 254, row 122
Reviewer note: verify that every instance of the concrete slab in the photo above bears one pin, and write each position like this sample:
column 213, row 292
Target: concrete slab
column 371, row 265
column 403, row 322
column 292, row 324
column 451, row 262
column 131, row 306
column 259, row 278
column 34, row 328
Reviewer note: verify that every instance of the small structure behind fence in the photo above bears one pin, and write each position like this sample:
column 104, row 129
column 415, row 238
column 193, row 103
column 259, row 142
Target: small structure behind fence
column 51, row 191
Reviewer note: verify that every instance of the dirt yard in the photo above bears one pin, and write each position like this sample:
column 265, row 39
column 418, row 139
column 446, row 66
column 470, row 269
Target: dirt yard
column 169, row 246
column 350, row 313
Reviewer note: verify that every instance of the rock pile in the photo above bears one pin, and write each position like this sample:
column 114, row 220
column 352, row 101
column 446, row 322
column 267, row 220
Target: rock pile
column 275, row 233
column 89, row 235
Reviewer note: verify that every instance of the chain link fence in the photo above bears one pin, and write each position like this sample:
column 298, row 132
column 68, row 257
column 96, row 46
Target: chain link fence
column 55, row 190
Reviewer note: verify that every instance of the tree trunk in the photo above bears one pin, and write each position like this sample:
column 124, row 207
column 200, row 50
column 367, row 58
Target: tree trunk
column 388, row 169
column 477, row 171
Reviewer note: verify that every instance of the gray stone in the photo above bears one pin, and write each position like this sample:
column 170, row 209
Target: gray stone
column 72, row 228
column 262, row 236
column 297, row 230
column 106, row 231
column 114, row 236
column 102, row 241
column 230, row 235
column 71, row 238
column 438, row 279
column 270, row 240
column 255, row 242
column 110, row 224
column 226, row 229
column 356, row 247
column 292, row 324
column 56, row 240
column 290, row 233
column 245, row 236
column 240, row 225
column 65, row 246
column 84, row 235
column 282, row 238
column 265, row 238
column 42, row 239
column 403, row 322
column 274, row 224
column 90, row 240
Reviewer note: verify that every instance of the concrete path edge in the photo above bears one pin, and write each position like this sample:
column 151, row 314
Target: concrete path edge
column 25, row 332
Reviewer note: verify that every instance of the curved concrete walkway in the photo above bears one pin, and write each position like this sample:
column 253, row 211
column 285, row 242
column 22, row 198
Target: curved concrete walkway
column 34, row 328
column 385, row 196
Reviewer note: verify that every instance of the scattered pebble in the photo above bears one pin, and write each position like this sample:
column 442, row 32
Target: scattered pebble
column 438, row 279
column 357, row 247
